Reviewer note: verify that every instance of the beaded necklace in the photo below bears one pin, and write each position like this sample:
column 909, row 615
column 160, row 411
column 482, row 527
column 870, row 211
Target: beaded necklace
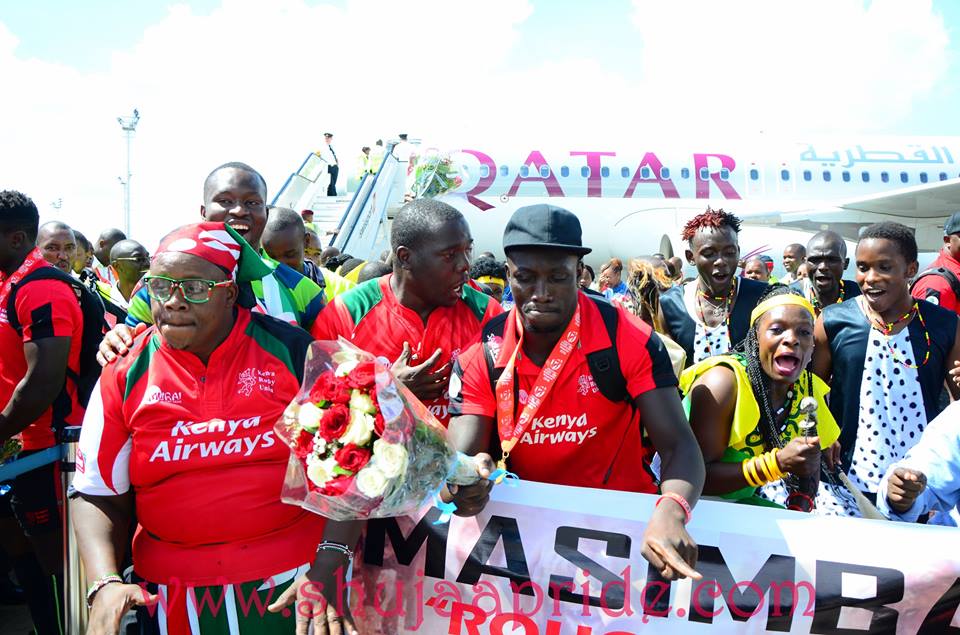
column 815, row 301
column 727, row 306
column 887, row 329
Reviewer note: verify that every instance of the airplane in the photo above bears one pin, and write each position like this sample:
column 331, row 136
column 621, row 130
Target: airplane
column 635, row 202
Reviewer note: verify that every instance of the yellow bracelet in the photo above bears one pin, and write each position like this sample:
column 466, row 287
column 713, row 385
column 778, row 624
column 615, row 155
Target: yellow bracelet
column 750, row 472
column 746, row 473
column 762, row 469
column 773, row 465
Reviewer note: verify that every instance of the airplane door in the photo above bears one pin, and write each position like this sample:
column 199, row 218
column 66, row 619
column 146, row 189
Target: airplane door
column 755, row 180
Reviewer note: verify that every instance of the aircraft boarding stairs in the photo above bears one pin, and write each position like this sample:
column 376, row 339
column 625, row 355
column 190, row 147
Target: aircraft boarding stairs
column 362, row 220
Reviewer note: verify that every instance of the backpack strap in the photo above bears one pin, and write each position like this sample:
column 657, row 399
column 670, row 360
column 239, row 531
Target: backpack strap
column 944, row 273
column 42, row 273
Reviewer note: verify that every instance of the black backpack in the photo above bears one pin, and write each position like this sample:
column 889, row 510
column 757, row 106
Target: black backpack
column 94, row 326
column 604, row 363
column 944, row 273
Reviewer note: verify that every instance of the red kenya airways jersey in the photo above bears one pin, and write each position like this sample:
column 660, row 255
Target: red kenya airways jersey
column 937, row 289
column 197, row 445
column 577, row 434
column 371, row 317
column 45, row 308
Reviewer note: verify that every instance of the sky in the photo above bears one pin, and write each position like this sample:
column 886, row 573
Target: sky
column 244, row 80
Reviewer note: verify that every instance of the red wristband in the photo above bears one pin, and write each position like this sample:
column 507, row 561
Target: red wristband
column 679, row 500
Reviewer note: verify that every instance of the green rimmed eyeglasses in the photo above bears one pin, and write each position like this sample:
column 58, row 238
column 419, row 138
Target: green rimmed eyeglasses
column 195, row 290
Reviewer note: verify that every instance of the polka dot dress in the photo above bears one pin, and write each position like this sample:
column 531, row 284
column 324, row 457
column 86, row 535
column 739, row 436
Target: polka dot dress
column 831, row 499
column 892, row 416
column 707, row 341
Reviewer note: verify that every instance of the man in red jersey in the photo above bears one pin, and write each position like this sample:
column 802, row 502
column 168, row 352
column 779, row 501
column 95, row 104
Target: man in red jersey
column 424, row 313
column 185, row 422
column 940, row 282
column 38, row 393
column 564, row 386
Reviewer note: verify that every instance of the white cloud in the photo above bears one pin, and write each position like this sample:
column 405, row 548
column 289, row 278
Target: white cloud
column 821, row 65
column 259, row 82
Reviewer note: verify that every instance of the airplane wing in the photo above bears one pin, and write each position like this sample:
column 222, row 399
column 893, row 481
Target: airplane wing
column 925, row 208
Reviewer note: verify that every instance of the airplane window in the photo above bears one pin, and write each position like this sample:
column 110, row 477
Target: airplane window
column 625, row 172
column 504, row 170
column 604, row 171
column 784, row 175
column 865, row 177
column 544, row 171
column 524, row 171
column 645, row 172
column 564, row 171
column 826, row 176
column 704, row 174
column 484, row 171
column 923, row 177
column 807, row 175
column 845, row 176
column 884, row 177
column 943, row 176
column 754, row 174
column 724, row 174
column 685, row 173
column 904, row 177
column 664, row 173
column 585, row 171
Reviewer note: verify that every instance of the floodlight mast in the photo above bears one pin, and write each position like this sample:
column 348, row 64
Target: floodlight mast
column 129, row 125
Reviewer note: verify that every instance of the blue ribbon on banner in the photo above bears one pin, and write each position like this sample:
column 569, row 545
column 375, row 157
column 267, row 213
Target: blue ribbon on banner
column 9, row 471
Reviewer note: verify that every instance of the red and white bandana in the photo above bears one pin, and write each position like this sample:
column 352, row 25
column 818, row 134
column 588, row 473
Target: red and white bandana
column 213, row 242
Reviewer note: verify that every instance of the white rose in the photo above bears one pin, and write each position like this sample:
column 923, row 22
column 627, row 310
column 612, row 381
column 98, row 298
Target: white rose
column 321, row 472
column 362, row 402
column 309, row 417
column 391, row 457
column 371, row 481
column 359, row 430
column 346, row 367
column 319, row 444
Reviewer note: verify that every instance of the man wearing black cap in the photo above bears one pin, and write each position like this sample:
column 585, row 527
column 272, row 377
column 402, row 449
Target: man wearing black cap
column 940, row 283
column 562, row 388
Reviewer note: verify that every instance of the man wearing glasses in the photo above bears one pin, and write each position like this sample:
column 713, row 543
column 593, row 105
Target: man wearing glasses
column 179, row 435
column 129, row 261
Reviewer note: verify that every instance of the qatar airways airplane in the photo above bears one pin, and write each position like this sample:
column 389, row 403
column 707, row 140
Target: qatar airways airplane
column 635, row 201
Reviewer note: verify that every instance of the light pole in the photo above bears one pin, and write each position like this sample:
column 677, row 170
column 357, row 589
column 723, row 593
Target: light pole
column 129, row 125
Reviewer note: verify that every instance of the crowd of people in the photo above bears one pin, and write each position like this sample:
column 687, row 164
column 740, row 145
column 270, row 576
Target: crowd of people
column 812, row 393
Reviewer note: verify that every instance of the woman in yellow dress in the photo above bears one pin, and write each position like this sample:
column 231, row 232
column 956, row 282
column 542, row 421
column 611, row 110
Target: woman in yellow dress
column 749, row 408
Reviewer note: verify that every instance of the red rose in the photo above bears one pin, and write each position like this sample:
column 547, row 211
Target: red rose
column 378, row 424
column 337, row 486
column 334, row 422
column 363, row 376
column 352, row 458
column 303, row 444
column 330, row 388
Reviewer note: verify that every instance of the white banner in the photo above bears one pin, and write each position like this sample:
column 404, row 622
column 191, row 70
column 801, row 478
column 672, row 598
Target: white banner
column 550, row 560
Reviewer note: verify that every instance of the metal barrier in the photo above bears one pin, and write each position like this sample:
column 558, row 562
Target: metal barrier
column 74, row 579
column 74, row 582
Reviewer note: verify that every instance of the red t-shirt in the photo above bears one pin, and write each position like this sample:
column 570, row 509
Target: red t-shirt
column 197, row 445
column 935, row 288
column 45, row 308
column 371, row 317
column 577, row 434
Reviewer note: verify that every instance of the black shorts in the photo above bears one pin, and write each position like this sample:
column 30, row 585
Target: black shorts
column 35, row 498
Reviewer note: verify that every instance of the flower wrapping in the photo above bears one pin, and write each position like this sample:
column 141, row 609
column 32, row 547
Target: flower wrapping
column 361, row 445
column 10, row 448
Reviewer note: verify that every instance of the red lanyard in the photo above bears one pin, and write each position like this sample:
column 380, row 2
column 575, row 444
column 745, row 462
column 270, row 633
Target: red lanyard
column 29, row 262
column 510, row 432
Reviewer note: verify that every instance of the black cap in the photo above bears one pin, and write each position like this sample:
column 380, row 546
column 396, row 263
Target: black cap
column 953, row 225
column 327, row 134
column 544, row 226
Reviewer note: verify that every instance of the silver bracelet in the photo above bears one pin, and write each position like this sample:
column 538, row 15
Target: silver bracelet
column 99, row 584
column 339, row 547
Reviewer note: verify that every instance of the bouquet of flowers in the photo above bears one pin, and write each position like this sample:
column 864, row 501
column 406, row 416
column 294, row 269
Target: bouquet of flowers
column 435, row 174
column 361, row 445
column 10, row 448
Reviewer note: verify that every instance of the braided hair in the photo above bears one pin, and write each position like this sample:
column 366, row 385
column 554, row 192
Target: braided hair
column 646, row 282
column 749, row 350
